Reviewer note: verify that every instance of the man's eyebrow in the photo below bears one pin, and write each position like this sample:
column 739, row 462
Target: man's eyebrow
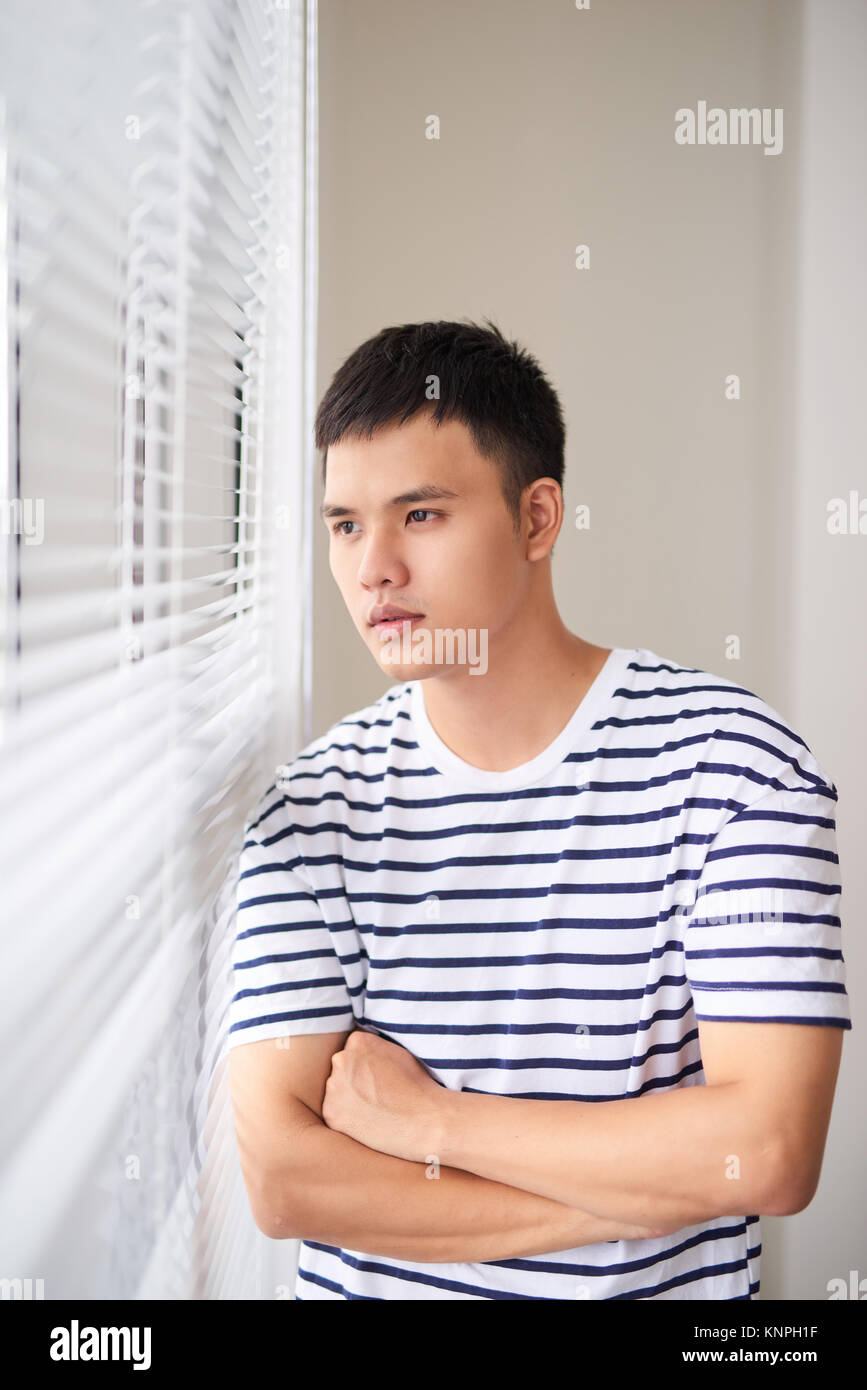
column 428, row 493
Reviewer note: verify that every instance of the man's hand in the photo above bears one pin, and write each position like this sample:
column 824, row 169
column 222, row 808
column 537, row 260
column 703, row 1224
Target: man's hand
column 380, row 1095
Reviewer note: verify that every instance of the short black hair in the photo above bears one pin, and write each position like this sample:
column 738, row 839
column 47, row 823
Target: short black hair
column 494, row 387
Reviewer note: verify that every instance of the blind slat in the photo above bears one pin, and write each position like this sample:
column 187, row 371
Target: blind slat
column 154, row 380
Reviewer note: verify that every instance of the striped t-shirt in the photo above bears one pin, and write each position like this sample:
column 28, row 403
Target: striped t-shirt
column 552, row 931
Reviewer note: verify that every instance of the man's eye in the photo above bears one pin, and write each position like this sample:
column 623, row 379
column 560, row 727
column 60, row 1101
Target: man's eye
column 418, row 511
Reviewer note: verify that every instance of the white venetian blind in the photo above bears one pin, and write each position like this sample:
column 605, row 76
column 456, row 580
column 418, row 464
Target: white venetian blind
column 157, row 301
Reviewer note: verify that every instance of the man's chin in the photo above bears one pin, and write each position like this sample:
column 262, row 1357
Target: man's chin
column 420, row 655
column 407, row 670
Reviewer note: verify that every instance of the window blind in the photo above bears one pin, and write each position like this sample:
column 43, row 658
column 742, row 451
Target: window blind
column 157, row 332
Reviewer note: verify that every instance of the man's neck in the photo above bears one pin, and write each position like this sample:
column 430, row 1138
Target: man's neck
column 517, row 708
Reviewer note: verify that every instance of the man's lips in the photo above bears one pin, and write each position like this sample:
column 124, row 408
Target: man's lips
column 389, row 615
column 394, row 624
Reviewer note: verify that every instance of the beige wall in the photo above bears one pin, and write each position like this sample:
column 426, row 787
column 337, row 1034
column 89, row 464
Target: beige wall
column 707, row 515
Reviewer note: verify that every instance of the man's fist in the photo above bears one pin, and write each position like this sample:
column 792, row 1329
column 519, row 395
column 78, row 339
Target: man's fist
column 379, row 1094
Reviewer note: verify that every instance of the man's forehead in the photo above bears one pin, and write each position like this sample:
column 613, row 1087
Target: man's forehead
column 430, row 463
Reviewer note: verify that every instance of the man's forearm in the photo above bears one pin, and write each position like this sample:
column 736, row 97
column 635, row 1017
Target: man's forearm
column 338, row 1191
column 677, row 1158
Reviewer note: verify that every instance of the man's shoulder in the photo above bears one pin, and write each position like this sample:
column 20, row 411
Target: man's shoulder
column 737, row 734
column 366, row 730
column 353, row 749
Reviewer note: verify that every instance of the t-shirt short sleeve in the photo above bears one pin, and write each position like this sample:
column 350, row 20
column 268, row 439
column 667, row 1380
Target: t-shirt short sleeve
column 762, row 938
column 287, row 978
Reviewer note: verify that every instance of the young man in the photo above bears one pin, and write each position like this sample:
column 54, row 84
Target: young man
column 539, row 990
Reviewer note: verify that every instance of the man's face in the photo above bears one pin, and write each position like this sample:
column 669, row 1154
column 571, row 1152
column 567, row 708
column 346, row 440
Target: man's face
column 453, row 559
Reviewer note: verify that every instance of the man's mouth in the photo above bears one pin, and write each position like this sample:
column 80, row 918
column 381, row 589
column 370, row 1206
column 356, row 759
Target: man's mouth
column 388, row 616
column 395, row 624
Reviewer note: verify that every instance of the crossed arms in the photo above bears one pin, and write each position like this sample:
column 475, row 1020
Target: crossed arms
column 346, row 1138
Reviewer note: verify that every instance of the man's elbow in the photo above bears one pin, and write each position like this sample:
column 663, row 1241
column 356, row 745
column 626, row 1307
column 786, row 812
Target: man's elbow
column 275, row 1226
column 276, row 1213
column 798, row 1197
column 793, row 1187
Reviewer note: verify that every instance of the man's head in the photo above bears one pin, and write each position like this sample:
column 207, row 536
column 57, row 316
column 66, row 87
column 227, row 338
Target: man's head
column 456, row 408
